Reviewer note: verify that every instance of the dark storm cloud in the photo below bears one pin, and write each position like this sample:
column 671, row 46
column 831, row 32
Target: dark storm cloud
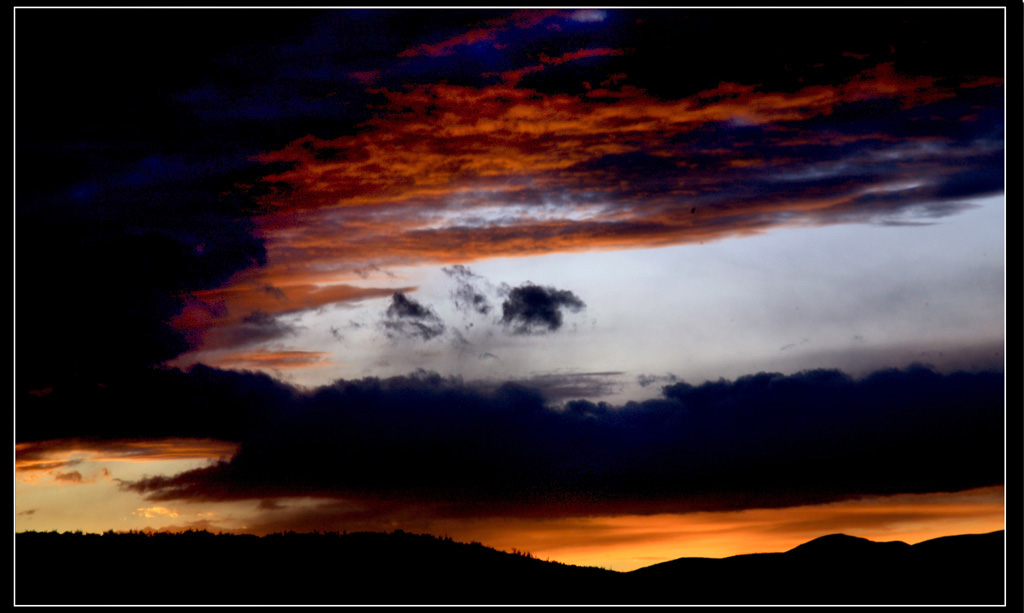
column 759, row 441
column 532, row 308
column 125, row 261
column 407, row 318
column 206, row 403
column 124, row 202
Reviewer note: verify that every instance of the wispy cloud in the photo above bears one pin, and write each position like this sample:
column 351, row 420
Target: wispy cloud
column 479, row 172
column 467, row 296
column 513, row 77
column 274, row 359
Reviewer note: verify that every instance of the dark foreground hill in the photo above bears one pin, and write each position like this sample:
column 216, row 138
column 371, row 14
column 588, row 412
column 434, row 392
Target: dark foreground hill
column 402, row 568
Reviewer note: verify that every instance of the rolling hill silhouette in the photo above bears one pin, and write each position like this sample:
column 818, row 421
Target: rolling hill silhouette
column 842, row 569
column 402, row 568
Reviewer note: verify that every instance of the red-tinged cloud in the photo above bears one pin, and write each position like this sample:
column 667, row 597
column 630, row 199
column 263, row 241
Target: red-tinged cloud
column 365, row 77
column 512, row 77
column 488, row 32
column 454, row 173
column 982, row 82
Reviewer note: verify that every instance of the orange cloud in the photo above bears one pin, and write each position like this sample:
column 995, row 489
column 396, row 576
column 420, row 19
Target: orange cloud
column 56, row 454
column 447, row 173
column 266, row 359
column 67, row 477
column 882, row 81
column 279, row 299
column 154, row 512
column 442, row 140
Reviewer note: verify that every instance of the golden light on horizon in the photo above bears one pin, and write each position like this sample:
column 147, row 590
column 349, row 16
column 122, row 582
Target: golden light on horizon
column 628, row 542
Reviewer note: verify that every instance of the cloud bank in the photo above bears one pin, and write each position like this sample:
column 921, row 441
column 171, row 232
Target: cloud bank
column 760, row 441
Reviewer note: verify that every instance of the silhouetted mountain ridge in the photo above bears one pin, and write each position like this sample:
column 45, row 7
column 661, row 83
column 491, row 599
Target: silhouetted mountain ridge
column 839, row 541
column 403, row 568
column 843, row 569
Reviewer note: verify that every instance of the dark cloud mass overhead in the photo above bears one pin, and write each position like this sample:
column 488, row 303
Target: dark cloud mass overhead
column 762, row 440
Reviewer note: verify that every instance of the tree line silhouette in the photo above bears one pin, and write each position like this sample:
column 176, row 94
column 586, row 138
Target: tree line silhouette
column 200, row 567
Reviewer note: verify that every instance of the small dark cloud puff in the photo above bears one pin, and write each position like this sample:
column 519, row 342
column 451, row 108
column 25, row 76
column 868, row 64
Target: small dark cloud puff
column 407, row 318
column 533, row 309
column 69, row 477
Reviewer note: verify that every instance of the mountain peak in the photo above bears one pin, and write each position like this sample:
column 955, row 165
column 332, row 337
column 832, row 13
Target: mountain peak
column 844, row 544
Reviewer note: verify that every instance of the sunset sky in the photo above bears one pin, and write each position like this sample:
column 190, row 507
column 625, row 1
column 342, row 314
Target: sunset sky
column 610, row 286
